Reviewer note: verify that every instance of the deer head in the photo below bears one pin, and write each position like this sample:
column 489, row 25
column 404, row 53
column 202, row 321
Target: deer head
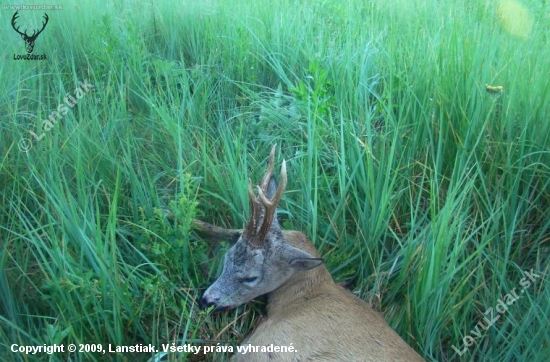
column 29, row 40
column 261, row 260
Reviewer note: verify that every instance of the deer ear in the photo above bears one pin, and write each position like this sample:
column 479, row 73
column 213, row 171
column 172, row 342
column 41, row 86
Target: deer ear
column 305, row 263
column 300, row 259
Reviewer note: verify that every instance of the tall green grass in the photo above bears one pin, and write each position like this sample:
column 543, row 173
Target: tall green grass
column 431, row 192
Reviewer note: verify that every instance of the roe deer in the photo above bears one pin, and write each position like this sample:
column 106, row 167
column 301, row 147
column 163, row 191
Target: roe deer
column 306, row 309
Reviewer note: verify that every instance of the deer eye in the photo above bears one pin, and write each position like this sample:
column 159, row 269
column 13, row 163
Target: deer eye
column 250, row 280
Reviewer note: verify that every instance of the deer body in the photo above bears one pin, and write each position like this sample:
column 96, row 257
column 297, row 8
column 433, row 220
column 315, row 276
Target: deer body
column 323, row 321
column 306, row 308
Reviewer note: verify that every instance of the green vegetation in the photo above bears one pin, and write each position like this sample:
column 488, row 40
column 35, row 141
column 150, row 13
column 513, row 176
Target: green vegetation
column 408, row 175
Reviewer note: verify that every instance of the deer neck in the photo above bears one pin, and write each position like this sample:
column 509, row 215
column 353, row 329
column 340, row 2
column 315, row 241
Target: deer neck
column 301, row 286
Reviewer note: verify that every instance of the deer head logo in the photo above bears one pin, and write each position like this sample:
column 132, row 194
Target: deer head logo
column 29, row 40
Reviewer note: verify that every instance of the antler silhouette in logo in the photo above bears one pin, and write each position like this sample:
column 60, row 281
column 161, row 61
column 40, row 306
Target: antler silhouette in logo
column 29, row 40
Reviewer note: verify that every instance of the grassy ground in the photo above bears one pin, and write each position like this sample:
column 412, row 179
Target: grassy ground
column 409, row 175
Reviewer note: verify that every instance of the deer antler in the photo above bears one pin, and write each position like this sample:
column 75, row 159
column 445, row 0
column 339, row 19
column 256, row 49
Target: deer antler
column 271, row 206
column 13, row 19
column 35, row 33
column 43, row 26
column 252, row 235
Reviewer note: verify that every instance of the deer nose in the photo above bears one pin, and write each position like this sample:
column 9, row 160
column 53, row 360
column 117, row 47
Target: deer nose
column 205, row 303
